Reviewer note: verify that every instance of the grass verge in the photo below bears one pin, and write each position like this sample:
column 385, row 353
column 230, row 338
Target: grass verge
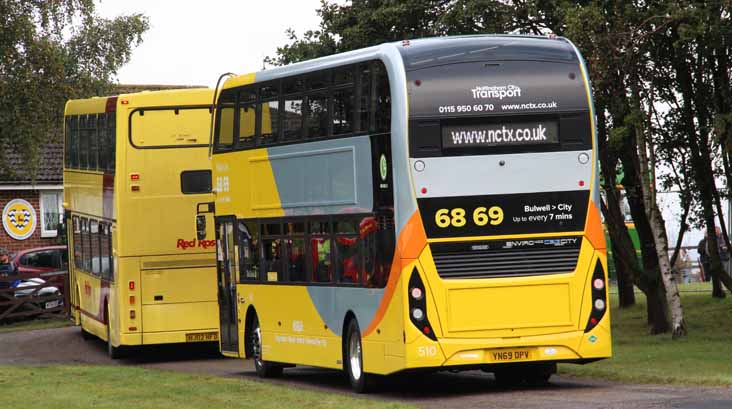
column 68, row 387
column 35, row 324
column 701, row 358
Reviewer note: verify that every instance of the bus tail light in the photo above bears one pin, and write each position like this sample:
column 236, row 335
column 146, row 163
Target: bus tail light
column 132, row 300
column 418, row 306
column 132, row 285
column 599, row 297
column 132, row 314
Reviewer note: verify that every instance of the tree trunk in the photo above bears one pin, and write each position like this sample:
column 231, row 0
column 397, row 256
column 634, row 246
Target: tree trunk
column 657, row 310
column 624, row 257
column 658, row 227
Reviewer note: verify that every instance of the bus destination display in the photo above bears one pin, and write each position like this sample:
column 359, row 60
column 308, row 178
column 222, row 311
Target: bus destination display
column 496, row 134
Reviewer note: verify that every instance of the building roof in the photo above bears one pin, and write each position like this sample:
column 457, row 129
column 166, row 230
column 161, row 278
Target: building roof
column 49, row 171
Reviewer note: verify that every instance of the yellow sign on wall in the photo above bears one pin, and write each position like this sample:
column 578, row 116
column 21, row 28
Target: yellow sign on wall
column 19, row 219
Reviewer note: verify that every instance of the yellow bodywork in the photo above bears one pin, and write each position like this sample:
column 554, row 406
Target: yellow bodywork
column 467, row 315
column 164, row 284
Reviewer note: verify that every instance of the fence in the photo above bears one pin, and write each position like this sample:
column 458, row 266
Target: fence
column 24, row 296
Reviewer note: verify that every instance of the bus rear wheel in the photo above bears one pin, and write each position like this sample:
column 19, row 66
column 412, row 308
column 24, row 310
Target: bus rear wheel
column 112, row 351
column 361, row 382
column 264, row 369
column 86, row 335
column 530, row 374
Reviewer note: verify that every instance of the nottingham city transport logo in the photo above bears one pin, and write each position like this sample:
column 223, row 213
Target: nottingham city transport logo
column 496, row 92
column 19, row 219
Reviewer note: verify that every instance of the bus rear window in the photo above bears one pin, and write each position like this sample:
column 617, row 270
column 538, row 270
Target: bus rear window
column 195, row 181
column 167, row 127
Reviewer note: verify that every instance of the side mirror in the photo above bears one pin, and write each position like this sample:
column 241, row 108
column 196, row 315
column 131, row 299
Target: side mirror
column 201, row 227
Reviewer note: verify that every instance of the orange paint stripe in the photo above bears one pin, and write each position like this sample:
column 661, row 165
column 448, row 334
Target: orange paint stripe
column 593, row 230
column 412, row 240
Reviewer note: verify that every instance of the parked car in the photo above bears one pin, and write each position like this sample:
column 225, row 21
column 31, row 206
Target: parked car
column 41, row 259
column 48, row 259
column 23, row 290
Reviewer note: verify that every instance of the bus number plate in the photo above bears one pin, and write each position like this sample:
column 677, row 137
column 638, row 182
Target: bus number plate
column 202, row 337
column 511, row 355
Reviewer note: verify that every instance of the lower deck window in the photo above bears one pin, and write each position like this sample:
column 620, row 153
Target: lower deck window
column 346, row 250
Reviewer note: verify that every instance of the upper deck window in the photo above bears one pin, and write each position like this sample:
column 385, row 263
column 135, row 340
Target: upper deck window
column 90, row 142
column 336, row 102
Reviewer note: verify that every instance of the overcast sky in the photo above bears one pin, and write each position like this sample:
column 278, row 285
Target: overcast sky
column 193, row 45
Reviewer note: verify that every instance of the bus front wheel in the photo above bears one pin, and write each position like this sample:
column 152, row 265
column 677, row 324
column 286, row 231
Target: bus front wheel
column 264, row 369
column 361, row 382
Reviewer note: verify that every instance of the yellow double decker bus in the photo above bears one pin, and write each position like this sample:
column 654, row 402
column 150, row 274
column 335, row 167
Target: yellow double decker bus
column 420, row 205
column 136, row 169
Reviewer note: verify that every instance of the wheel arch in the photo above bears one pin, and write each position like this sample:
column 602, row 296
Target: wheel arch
column 249, row 318
column 350, row 316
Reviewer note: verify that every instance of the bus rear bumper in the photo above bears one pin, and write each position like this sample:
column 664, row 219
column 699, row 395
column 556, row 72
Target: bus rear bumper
column 576, row 346
column 170, row 337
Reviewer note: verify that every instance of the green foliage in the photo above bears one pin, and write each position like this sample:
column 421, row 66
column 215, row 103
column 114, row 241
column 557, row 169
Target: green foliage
column 51, row 51
column 363, row 23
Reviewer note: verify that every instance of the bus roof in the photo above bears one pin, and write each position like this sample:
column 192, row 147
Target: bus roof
column 185, row 96
column 432, row 51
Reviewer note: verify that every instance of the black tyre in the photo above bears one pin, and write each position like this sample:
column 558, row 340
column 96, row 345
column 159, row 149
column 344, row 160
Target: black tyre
column 86, row 335
column 264, row 369
column 539, row 374
column 508, row 377
column 361, row 382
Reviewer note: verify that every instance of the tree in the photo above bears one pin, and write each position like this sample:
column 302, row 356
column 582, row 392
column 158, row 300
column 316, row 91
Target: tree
column 51, row 51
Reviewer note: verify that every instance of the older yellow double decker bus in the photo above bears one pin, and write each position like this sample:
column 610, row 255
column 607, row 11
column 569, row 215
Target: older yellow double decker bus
column 420, row 205
column 136, row 169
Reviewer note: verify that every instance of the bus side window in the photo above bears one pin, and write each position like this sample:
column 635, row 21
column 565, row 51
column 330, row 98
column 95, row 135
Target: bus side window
column 93, row 142
column 293, row 112
column 379, row 242
column 363, row 98
column 272, row 259
column 84, row 135
column 102, row 162
column 273, row 253
column 78, row 260
column 320, row 252
column 248, row 250
column 224, row 134
column 85, row 245
column 347, row 254
column 95, row 255
column 382, row 98
column 105, row 243
column 316, row 120
column 111, row 133
column 343, row 111
column 269, row 113
column 247, row 117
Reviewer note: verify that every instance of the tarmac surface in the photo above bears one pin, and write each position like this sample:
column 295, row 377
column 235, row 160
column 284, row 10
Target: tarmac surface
column 473, row 389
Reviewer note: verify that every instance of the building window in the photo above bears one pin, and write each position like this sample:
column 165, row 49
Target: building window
column 50, row 212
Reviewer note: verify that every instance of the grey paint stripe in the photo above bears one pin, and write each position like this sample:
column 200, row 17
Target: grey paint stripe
column 522, row 173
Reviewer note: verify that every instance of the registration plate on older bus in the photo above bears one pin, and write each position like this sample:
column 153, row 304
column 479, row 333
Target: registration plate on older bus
column 505, row 355
column 202, row 337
